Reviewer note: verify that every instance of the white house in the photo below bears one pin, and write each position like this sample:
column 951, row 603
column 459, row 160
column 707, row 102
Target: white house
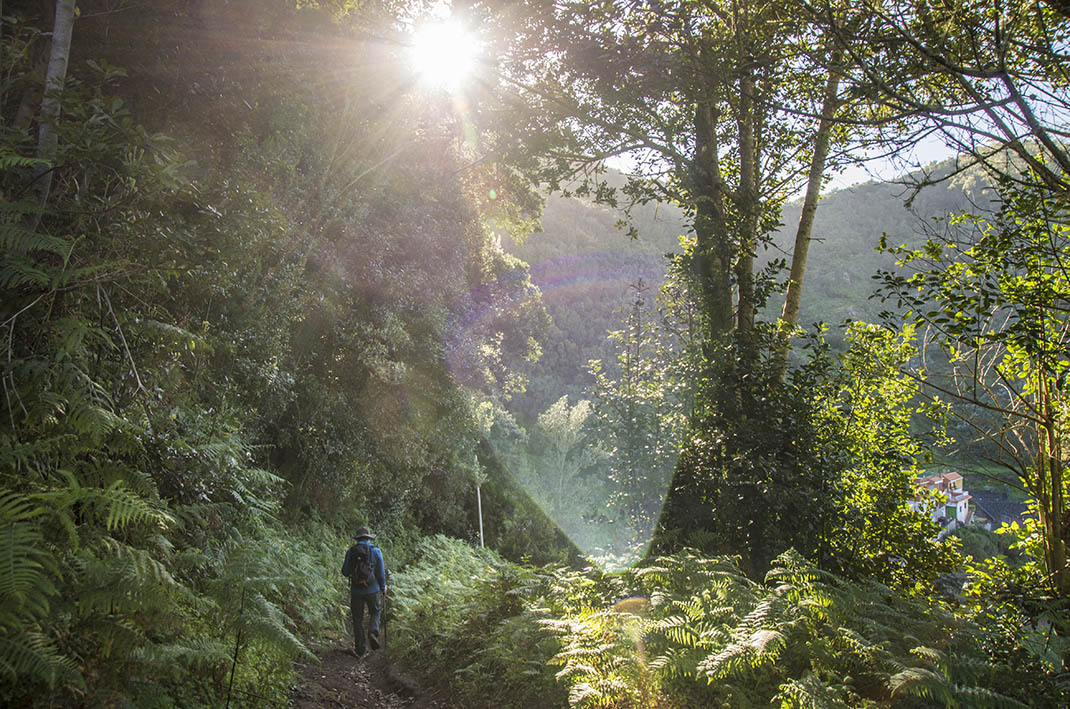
column 953, row 508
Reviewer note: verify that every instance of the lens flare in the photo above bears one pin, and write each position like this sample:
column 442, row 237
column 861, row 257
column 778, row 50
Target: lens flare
column 444, row 54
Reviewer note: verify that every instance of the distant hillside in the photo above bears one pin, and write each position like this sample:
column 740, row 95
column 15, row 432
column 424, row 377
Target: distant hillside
column 847, row 229
column 585, row 266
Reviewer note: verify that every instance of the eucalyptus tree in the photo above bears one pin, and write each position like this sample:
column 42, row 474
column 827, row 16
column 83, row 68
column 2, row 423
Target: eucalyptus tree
column 59, row 55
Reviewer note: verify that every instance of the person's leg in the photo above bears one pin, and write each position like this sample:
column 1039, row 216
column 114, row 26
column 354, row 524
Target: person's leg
column 356, row 609
column 375, row 613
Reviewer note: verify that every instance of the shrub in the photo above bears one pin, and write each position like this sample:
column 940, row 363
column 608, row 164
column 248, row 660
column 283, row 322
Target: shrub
column 466, row 617
column 687, row 631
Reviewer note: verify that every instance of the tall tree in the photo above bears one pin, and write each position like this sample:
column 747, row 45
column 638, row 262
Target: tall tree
column 831, row 101
column 566, row 452
column 707, row 102
column 641, row 411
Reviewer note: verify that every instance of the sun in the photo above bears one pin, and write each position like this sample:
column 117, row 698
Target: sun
column 444, row 54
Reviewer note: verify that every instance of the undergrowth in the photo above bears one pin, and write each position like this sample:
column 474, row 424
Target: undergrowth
column 175, row 620
column 686, row 631
column 463, row 617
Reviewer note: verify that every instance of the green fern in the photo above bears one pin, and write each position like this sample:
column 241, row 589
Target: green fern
column 10, row 160
column 27, row 581
column 921, row 682
column 25, row 568
column 22, row 274
column 809, row 692
column 804, row 639
column 974, row 696
column 116, row 506
column 17, row 239
column 32, row 656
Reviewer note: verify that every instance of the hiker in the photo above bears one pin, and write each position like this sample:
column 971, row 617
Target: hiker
column 364, row 567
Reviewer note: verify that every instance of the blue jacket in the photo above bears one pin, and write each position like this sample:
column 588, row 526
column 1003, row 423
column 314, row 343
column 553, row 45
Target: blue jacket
column 378, row 578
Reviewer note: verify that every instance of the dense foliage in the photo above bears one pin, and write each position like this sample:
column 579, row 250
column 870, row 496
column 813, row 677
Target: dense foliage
column 224, row 320
column 991, row 291
column 685, row 631
column 828, row 472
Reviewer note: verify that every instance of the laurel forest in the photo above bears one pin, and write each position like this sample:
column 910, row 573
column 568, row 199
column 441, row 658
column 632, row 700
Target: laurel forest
column 573, row 305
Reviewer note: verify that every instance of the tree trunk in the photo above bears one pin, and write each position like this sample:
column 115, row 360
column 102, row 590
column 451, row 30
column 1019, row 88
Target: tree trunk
column 711, row 262
column 1051, row 480
column 747, row 204
column 50, row 104
column 789, row 317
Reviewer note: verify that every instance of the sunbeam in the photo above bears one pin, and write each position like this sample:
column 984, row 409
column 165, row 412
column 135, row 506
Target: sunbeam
column 444, row 54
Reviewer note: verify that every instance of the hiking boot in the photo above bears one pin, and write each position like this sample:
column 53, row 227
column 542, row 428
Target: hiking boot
column 373, row 640
column 358, row 653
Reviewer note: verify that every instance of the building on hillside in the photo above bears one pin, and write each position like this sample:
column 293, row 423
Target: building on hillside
column 953, row 509
column 992, row 510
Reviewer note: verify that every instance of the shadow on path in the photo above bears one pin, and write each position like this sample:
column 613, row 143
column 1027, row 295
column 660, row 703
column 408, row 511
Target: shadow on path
column 340, row 680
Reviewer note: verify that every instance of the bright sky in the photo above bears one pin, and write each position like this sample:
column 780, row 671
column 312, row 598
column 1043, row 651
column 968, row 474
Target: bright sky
column 928, row 151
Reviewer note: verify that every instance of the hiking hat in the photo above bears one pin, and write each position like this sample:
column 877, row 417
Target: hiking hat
column 363, row 533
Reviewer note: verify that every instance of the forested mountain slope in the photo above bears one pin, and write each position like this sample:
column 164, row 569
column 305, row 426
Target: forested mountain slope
column 585, row 268
column 586, row 265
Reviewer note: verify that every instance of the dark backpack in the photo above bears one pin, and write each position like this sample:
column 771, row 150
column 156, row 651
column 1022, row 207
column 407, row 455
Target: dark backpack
column 363, row 573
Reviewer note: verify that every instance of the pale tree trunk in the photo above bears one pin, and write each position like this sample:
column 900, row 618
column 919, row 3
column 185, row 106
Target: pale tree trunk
column 789, row 316
column 747, row 203
column 47, row 138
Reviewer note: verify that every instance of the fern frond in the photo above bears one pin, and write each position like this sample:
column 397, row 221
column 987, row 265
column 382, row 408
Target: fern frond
column 761, row 615
column 188, row 653
column 10, row 160
column 920, row 682
column 982, row 697
column 767, row 643
column 25, row 567
column 732, row 660
column 933, row 656
column 116, row 505
column 123, row 507
column 809, row 692
column 22, row 274
column 262, row 618
column 17, row 239
column 32, row 657
column 136, row 566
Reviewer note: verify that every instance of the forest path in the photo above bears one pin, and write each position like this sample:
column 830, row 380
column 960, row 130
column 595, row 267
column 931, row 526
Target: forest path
column 339, row 680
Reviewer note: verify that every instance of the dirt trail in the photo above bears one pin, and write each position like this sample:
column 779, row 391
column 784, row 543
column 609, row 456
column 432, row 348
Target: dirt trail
column 340, row 680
